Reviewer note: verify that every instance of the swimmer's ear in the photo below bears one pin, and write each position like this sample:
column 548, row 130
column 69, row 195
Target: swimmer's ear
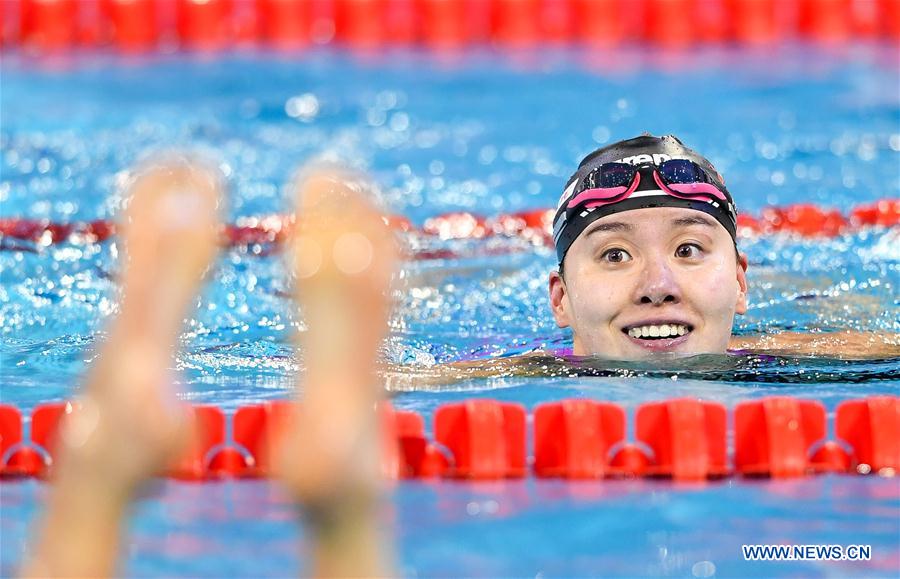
column 559, row 302
column 741, row 306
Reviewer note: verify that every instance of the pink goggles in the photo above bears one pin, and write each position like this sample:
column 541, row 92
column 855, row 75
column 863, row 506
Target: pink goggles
column 615, row 182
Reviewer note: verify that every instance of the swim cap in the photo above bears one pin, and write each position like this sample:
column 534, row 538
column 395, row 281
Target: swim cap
column 646, row 150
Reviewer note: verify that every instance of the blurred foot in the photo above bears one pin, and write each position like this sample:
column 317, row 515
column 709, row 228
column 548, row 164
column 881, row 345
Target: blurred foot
column 131, row 424
column 343, row 258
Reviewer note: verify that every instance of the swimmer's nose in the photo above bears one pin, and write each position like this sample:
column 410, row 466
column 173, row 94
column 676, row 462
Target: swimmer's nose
column 657, row 285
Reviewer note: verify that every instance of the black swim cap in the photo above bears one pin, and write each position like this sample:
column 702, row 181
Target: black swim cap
column 646, row 149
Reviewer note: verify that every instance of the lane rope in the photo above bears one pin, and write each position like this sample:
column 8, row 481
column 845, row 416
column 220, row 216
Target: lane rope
column 264, row 233
column 682, row 439
column 131, row 26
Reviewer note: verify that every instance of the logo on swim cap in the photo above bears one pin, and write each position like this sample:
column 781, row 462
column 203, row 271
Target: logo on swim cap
column 607, row 182
column 644, row 158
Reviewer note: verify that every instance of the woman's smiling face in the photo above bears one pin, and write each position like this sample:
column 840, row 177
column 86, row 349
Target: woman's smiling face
column 647, row 281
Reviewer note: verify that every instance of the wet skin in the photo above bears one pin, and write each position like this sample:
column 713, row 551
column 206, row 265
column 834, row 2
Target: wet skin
column 653, row 266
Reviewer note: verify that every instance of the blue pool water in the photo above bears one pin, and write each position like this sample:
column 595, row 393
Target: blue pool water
column 489, row 134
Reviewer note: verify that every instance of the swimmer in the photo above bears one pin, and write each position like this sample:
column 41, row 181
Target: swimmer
column 645, row 237
column 131, row 424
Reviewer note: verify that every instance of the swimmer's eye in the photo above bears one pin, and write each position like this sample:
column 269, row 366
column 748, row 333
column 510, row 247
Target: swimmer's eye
column 616, row 255
column 688, row 250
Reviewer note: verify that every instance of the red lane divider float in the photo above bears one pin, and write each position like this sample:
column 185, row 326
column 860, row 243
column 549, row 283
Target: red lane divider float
column 284, row 24
column 516, row 22
column 258, row 429
column 35, row 458
column 209, row 433
column 409, row 452
column 48, row 26
column 872, row 429
column 448, row 24
column 10, row 436
column 682, row 439
column 574, row 438
column 533, row 226
column 686, row 438
column 132, row 25
column 773, row 436
column 486, row 439
column 826, row 20
column 205, row 24
column 53, row 25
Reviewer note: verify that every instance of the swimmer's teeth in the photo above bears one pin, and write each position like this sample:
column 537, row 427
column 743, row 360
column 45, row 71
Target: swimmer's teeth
column 661, row 331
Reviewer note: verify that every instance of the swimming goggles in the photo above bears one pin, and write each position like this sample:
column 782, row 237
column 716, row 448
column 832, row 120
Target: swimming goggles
column 614, row 182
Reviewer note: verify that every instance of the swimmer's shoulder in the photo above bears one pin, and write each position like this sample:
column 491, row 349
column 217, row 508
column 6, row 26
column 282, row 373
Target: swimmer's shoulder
column 846, row 344
column 405, row 377
column 511, row 365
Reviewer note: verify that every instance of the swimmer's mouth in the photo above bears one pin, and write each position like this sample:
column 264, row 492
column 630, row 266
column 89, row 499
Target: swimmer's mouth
column 658, row 331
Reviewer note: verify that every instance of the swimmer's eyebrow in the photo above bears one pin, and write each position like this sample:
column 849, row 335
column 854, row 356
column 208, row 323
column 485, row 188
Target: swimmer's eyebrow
column 693, row 220
column 610, row 226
